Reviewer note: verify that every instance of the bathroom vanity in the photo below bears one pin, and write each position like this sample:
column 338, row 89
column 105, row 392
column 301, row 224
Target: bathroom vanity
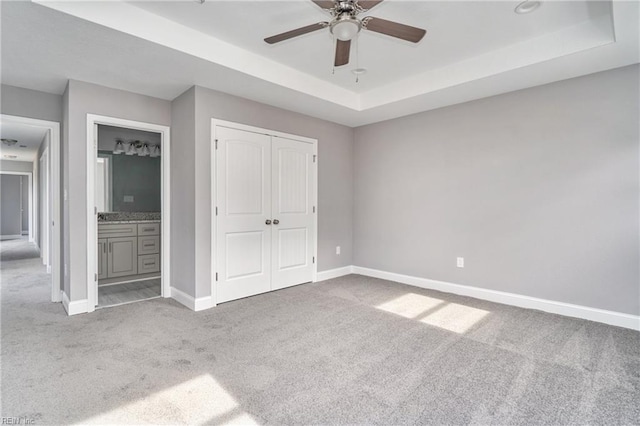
column 128, row 248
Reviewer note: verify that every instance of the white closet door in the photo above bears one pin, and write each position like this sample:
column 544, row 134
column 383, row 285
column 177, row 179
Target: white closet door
column 292, row 206
column 244, row 207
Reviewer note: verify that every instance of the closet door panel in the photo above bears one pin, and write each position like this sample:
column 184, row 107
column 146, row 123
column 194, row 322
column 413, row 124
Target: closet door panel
column 292, row 195
column 243, row 184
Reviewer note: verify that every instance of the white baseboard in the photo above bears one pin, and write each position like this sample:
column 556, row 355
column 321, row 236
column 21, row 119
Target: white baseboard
column 75, row 307
column 577, row 311
column 199, row 304
column 334, row 273
column 10, row 237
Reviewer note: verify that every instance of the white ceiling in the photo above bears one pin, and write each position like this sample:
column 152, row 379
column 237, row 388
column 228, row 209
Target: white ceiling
column 471, row 50
column 29, row 140
column 456, row 31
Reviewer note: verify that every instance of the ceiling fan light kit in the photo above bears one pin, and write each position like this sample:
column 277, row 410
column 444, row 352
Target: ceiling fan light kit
column 345, row 26
column 345, row 29
column 9, row 142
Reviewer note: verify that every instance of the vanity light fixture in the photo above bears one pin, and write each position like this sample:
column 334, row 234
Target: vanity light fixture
column 155, row 151
column 144, row 150
column 119, row 149
column 131, row 149
column 9, row 142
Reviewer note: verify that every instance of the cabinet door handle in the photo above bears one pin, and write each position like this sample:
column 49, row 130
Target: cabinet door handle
column 104, row 248
column 276, row 221
column 110, row 246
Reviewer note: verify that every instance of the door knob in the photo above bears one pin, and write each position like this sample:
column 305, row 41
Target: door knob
column 268, row 222
column 276, row 221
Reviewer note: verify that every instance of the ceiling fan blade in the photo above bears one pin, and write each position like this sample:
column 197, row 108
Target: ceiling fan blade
column 395, row 29
column 342, row 52
column 368, row 4
column 324, row 4
column 295, row 33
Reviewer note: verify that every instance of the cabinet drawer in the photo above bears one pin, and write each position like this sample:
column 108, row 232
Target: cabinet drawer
column 149, row 245
column 112, row 230
column 148, row 229
column 148, row 263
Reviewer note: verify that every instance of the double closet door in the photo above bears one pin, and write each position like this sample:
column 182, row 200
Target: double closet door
column 265, row 225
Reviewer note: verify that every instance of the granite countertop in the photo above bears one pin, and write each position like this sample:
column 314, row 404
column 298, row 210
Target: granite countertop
column 128, row 217
column 114, row 222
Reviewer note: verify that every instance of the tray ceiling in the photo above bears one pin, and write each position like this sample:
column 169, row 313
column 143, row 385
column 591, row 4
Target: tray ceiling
column 471, row 50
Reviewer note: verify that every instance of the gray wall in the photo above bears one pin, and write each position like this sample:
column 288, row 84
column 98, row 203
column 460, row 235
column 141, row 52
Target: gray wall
column 38, row 176
column 24, row 187
column 191, row 173
column 30, row 103
column 64, row 182
column 15, row 166
column 137, row 176
column 537, row 190
column 85, row 98
column 10, row 220
column 183, row 126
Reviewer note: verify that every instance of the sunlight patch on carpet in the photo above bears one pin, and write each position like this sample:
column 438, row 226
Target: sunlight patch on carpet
column 410, row 305
column 196, row 401
column 455, row 317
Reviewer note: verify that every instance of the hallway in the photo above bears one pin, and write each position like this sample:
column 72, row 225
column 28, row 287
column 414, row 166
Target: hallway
column 18, row 249
column 24, row 280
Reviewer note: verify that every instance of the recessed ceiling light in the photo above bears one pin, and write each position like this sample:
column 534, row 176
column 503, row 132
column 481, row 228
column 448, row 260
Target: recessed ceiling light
column 9, row 142
column 527, row 6
column 22, row 146
column 10, row 156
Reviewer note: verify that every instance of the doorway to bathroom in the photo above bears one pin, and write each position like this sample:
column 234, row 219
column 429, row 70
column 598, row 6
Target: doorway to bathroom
column 128, row 225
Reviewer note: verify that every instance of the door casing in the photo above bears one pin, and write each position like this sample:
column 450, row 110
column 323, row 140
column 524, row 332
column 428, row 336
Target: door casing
column 54, row 207
column 92, row 226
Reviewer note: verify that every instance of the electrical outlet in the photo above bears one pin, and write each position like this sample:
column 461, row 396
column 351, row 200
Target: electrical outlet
column 337, row 249
column 128, row 198
column 460, row 262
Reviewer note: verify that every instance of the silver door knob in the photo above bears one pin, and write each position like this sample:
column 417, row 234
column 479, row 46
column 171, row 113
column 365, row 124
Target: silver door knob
column 268, row 222
column 276, row 221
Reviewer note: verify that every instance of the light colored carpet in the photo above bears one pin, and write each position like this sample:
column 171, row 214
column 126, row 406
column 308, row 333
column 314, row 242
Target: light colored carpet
column 18, row 249
column 353, row 350
column 117, row 294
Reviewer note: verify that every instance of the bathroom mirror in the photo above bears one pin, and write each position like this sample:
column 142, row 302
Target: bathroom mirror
column 128, row 174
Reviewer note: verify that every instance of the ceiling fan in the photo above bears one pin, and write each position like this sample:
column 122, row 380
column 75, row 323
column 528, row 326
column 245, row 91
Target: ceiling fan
column 345, row 25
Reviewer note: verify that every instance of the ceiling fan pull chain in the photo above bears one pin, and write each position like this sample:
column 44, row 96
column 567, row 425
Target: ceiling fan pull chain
column 357, row 43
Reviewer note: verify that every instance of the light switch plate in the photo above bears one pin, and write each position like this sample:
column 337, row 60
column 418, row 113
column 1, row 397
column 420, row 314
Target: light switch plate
column 128, row 198
column 460, row 262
